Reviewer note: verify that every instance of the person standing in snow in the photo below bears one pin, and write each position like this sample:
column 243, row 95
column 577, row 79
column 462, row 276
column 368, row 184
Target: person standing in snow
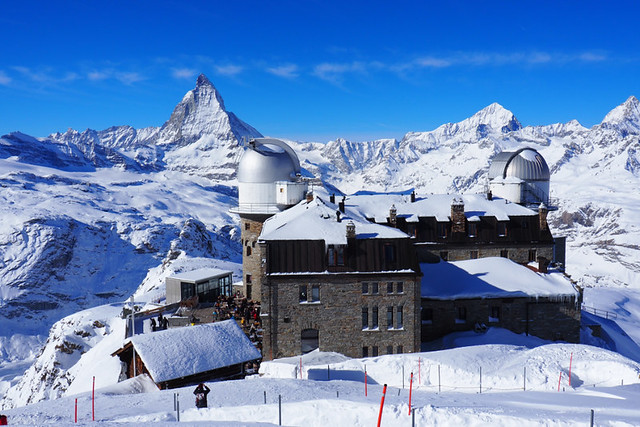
column 201, row 395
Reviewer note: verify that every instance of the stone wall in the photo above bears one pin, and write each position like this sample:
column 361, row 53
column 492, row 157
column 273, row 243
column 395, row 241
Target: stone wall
column 251, row 257
column 337, row 316
column 550, row 319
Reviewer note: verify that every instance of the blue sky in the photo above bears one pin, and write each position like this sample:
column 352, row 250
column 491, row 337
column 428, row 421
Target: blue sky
column 315, row 70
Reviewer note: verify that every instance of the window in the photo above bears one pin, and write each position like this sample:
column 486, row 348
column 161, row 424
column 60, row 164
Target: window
column 315, row 293
column 303, row 293
column 444, row 255
column 335, row 255
column 365, row 317
column 502, row 229
column 253, row 244
column 365, row 288
column 248, row 250
column 365, row 351
column 309, row 340
column 389, row 287
column 399, row 350
column 399, row 288
column 374, row 350
column 473, row 229
column 412, row 230
column 374, row 319
column 247, row 226
column 427, row 315
column 248, row 278
column 495, row 314
column 389, row 349
column 504, row 253
column 532, row 255
column 389, row 253
column 374, row 288
column 442, row 229
column 248, row 292
column 461, row 315
column 389, row 317
column 525, row 224
column 473, row 254
column 399, row 324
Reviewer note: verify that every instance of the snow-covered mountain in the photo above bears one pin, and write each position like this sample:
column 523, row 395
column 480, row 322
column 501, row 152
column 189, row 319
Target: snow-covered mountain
column 93, row 217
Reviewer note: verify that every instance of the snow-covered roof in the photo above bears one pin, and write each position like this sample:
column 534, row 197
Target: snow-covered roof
column 490, row 278
column 180, row 352
column 317, row 220
column 377, row 205
column 200, row 274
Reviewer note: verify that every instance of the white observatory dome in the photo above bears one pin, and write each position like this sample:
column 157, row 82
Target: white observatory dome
column 267, row 160
column 520, row 176
column 268, row 177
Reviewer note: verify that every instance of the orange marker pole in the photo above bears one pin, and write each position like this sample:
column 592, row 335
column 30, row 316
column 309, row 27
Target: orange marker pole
column 384, row 392
column 410, row 389
column 93, row 400
column 570, row 361
column 365, row 380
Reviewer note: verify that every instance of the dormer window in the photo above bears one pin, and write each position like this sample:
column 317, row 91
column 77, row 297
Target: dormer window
column 502, row 229
column 473, row 229
column 335, row 255
column 442, row 229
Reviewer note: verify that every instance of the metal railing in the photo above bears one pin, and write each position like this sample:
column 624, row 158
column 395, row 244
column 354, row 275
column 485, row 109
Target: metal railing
column 600, row 312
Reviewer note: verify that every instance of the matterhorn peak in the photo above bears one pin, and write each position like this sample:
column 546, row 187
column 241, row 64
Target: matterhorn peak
column 625, row 117
column 202, row 113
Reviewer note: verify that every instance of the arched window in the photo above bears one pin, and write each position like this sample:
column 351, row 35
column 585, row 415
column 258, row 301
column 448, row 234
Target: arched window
column 309, row 339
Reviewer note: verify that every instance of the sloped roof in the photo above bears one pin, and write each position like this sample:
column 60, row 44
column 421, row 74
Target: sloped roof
column 317, row 220
column 490, row 278
column 180, row 352
column 377, row 205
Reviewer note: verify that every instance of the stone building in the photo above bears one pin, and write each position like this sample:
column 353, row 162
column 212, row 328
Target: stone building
column 345, row 275
column 335, row 281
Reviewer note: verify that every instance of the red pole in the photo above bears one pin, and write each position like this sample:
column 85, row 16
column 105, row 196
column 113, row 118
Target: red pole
column 93, row 400
column 570, row 361
column 559, row 379
column 384, row 392
column 410, row 389
column 365, row 380
column 75, row 419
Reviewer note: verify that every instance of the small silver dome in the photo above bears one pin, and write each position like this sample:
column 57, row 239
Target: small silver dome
column 268, row 160
column 526, row 164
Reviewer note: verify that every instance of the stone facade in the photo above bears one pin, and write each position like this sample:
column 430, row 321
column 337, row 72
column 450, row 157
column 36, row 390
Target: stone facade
column 517, row 253
column 251, row 257
column 547, row 318
column 335, row 312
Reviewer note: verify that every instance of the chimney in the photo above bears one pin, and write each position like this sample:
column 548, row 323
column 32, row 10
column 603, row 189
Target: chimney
column 393, row 215
column 309, row 196
column 332, row 198
column 341, row 205
column 413, row 196
column 351, row 230
column 542, row 216
column 458, row 220
column 338, row 213
column 543, row 264
column 489, row 195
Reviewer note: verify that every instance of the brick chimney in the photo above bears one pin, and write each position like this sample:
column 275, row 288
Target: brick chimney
column 458, row 220
column 542, row 216
column 351, row 230
column 393, row 215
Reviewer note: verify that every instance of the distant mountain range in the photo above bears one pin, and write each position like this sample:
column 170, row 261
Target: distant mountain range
column 89, row 217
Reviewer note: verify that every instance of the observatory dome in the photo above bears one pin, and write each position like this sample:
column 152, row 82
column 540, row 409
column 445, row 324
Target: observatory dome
column 267, row 161
column 525, row 164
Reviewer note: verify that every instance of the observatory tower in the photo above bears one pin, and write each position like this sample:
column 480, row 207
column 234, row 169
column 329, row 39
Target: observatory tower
column 269, row 181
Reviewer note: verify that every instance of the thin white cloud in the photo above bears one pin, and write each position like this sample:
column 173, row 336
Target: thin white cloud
column 332, row 72
column 129, row 77
column 183, row 73
column 99, row 75
column 289, row 71
column 4, row 79
column 229, row 70
column 592, row 57
column 46, row 75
